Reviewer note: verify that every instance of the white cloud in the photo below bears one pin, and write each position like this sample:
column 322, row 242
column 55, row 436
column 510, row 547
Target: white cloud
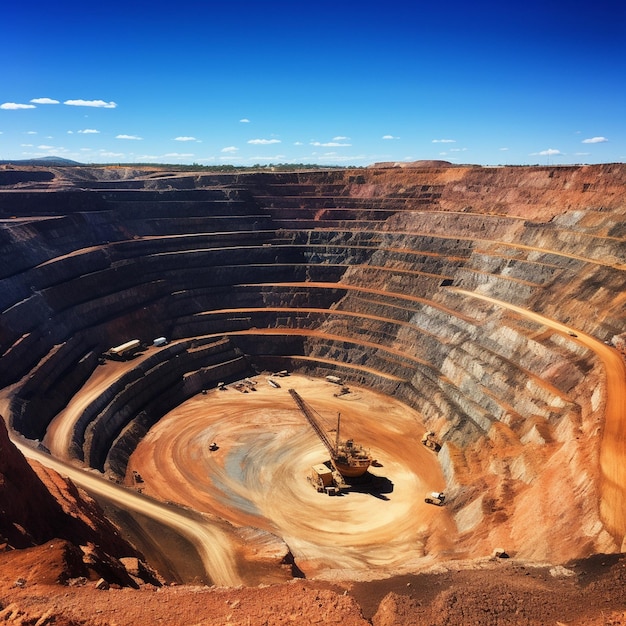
column 389, row 137
column 160, row 157
column 503, row 149
column 31, row 132
column 548, row 152
column 101, row 104
column 44, row 101
column 104, row 153
column 298, row 143
column 340, row 138
column 185, row 139
column 331, row 144
column 230, row 149
column 276, row 158
column 89, row 131
column 263, row 142
column 14, row 106
column 333, row 157
column 44, row 147
column 444, row 140
column 133, row 137
column 582, row 153
column 244, row 120
column 595, row 140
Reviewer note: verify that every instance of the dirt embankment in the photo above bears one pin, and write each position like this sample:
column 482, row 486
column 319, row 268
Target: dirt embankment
column 502, row 592
column 37, row 505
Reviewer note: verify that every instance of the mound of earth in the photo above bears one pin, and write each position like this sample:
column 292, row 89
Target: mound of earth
column 46, row 585
column 38, row 507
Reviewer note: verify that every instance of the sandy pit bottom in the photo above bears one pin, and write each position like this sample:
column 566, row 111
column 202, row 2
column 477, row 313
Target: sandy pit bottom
column 257, row 477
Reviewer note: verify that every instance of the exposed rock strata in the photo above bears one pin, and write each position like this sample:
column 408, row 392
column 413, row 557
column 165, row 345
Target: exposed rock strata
column 375, row 275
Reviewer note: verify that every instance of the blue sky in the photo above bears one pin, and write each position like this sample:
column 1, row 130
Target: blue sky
column 333, row 83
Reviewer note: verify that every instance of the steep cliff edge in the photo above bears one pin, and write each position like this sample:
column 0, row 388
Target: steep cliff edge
column 37, row 506
column 30, row 515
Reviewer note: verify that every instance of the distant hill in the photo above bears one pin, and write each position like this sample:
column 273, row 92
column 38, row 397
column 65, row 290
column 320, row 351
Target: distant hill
column 49, row 160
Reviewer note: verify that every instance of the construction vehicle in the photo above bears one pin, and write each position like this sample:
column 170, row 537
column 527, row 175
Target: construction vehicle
column 324, row 480
column 430, row 442
column 435, row 497
column 321, row 478
column 334, row 379
column 246, row 385
column 124, row 351
column 348, row 458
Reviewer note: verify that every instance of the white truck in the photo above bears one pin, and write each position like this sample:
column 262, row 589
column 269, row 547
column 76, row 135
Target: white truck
column 435, row 497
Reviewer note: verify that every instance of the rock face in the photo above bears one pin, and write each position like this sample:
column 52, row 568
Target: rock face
column 62, row 533
column 35, row 509
column 29, row 515
column 479, row 296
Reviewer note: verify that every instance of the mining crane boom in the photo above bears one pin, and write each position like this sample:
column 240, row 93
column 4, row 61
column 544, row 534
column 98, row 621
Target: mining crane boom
column 308, row 413
column 349, row 459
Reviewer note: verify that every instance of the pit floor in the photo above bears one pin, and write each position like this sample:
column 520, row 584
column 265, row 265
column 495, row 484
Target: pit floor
column 257, row 477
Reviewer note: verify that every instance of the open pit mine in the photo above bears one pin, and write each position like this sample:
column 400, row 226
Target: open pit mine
column 467, row 324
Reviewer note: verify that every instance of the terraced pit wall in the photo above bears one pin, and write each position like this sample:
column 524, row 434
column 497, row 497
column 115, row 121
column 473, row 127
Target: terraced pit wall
column 405, row 280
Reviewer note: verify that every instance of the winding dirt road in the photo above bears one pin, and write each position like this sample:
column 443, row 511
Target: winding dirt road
column 212, row 542
column 58, row 438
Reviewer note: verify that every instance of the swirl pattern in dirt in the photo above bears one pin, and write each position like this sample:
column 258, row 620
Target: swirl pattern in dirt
column 257, row 476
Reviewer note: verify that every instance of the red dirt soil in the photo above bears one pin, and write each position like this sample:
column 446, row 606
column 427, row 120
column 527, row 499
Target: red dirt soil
column 496, row 591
